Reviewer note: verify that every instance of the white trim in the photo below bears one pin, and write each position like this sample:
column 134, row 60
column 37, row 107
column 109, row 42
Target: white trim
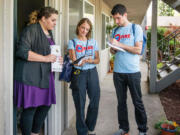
column 7, row 66
column 55, row 123
column 89, row 3
column 65, row 36
column 106, row 16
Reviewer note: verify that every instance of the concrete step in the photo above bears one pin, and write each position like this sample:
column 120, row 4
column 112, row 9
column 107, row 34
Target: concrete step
column 177, row 58
column 172, row 67
column 163, row 74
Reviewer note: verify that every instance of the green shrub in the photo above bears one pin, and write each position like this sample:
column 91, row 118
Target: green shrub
column 177, row 52
column 160, row 65
column 160, row 35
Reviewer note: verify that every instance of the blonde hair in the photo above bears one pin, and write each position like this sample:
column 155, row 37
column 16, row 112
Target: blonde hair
column 33, row 17
column 83, row 20
column 36, row 15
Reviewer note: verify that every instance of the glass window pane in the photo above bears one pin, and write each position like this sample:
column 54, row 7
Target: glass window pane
column 107, row 30
column 89, row 13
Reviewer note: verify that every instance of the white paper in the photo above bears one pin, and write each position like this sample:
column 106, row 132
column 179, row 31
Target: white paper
column 86, row 57
column 56, row 66
column 116, row 47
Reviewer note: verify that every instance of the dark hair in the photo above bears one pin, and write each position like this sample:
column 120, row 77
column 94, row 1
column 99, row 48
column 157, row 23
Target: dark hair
column 46, row 12
column 83, row 20
column 119, row 8
column 35, row 16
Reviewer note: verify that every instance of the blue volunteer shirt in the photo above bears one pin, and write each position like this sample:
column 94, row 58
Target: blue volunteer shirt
column 126, row 62
column 80, row 47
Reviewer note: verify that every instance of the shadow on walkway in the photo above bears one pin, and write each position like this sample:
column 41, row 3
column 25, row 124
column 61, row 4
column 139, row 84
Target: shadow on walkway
column 107, row 122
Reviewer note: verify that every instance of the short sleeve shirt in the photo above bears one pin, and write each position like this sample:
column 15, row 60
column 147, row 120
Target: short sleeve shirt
column 82, row 48
column 126, row 62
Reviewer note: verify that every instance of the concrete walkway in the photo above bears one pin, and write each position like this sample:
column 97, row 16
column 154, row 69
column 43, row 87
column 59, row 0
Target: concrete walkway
column 107, row 122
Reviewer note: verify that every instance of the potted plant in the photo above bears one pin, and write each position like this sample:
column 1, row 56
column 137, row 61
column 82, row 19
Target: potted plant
column 168, row 127
column 111, row 62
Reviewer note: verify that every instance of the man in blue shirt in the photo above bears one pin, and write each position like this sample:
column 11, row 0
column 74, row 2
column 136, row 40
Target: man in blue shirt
column 126, row 70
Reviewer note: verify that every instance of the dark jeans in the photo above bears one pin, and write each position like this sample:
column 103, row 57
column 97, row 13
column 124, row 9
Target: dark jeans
column 32, row 119
column 121, row 82
column 86, row 81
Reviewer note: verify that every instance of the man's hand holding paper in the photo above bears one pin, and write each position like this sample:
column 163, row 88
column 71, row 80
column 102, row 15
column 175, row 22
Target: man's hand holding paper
column 115, row 45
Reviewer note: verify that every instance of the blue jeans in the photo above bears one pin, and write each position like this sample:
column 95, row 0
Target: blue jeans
column 86, row 81
column 132, row 80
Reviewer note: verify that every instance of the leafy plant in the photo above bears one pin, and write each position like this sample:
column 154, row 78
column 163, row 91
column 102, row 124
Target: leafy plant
column 160, row 35
column 112, row 57
column 177, row 52
column 158, row 125
column 160, row 65
column 164, row 9
column 109, row 28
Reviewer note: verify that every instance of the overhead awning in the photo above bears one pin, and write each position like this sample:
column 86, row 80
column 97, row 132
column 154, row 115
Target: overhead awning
column 136, row 8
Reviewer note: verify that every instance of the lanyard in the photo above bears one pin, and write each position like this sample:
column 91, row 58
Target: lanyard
column 85, row 49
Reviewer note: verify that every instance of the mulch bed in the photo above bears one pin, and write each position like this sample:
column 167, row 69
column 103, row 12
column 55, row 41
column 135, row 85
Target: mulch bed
column 170, row 99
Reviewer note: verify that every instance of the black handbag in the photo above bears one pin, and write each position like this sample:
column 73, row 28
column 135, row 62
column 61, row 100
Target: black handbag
column 67, row 69
column 66, row 73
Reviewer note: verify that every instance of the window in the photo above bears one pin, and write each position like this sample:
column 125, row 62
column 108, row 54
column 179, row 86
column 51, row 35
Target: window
column 105, row 30
column 77, row 10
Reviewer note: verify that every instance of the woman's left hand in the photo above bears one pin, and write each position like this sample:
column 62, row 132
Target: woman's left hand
column 90, row 60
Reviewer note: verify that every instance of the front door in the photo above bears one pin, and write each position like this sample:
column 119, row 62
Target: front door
column 22, row 10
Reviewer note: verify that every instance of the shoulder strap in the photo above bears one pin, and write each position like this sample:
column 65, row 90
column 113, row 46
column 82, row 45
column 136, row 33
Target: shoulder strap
column 115, row 31
column 86, row 46
column 133, row 28
column 74, row 43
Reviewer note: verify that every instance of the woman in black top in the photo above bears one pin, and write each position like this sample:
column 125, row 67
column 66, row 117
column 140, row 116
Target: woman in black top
column 34, row 88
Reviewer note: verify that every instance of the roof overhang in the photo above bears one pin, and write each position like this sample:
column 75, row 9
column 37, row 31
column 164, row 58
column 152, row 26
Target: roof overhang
column 136, row 8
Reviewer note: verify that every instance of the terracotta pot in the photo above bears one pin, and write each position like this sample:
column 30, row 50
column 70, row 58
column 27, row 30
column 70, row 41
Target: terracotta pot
column 111, row 66
column 167, row 129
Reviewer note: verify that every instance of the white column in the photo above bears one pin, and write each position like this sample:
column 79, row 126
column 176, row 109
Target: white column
column 55, row 123
column 1, row 68
column 6, row 67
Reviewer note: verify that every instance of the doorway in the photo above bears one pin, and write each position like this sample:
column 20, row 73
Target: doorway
column 22, row 10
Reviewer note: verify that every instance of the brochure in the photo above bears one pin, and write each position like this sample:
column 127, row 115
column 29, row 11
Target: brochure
column 116, row 47
column 56, row 66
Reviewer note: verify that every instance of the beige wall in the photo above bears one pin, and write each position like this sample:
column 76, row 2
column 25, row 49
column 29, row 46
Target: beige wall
column 106, row 9
column 104, row 54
